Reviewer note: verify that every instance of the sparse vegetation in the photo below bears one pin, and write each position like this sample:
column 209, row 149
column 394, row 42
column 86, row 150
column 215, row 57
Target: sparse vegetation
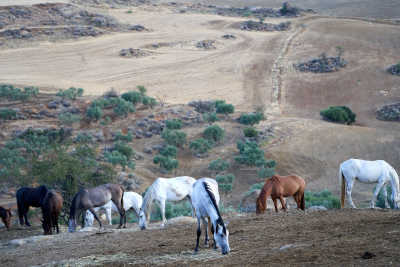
column 174, row 137
column 394, row 69
column 167, row 158
column 218, row 165
column 214, row 134
column 250, row 154
column 210, row 117
column 380, row 200
column 72, row 93
column 200, row 146
column 9, row 92
column 250, row 132
column 94, row 112
column 124, row 138
column 225, row 182
column 323, row 198
column 251, row 118
column 8, row 114
column 340, row 114
column 174, row 124
column 136, row 97
column 68, row 118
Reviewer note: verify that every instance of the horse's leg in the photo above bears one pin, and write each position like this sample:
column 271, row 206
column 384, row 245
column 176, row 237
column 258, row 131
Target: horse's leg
column 190, row 201
column 205, row 223
column 283, row 203
column 21, row 210
column 26, row 210
column 377, row 190
column 275, row 204
column 162, row 207
column 95, row 216
column 349, row 188
column 108, row 215
column 198, row 235
column 387, row 205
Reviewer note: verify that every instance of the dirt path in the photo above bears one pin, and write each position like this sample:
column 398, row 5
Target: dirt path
column 336, row 237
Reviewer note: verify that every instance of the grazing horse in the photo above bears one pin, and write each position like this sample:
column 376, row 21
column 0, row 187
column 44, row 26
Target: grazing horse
column 29, row 197
column 205, row 198
column 5, row 215
column 51, row 209
column 163, row 189
column 87, row 199
column 365, row 171
column 280, row 187
column 132, row 200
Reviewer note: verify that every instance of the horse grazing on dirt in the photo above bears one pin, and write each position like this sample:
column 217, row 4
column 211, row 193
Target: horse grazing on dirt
column 365, row 171
column 29, row 197
column 88, row 199
column 132, row 200
column 163, row 189
column 205, row 199
column 51, row 209
column 5, row 215
column 279, row 187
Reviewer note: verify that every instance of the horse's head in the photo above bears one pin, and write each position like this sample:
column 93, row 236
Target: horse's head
column 221, row 237
column 71, row 225
column 142, row 220
column 260, row 205
column 7, row 219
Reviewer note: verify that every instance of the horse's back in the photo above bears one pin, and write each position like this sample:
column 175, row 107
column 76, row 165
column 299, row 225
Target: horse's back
column 201, row 198
column 365, row 170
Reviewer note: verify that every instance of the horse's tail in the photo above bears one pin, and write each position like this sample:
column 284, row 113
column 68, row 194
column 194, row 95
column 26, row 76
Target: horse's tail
column 343, row 182
column 72, row 210
column 122, row 200
column 395, row 185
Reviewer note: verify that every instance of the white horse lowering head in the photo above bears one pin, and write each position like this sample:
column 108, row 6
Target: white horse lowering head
column 142, row 220
column 221, row 237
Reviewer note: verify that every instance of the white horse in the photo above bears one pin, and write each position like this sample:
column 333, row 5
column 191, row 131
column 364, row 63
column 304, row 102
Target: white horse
column 131, row 200
column 205, row 199
column 365, row 171
column 163, row 189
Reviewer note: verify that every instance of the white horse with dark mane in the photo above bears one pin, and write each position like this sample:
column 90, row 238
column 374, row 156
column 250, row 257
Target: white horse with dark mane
column 163, row 189
column 131, row 200
column 365, row 171
column 205, row 199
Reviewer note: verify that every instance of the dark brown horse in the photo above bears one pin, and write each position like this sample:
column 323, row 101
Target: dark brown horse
column 279, row 187
column 51, row 209
column 87, row 199
column 29, row 197
column 5, row 215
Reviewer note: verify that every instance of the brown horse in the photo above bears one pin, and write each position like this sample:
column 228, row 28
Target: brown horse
column 51, row 209
column 280, row 187
column 5, row 215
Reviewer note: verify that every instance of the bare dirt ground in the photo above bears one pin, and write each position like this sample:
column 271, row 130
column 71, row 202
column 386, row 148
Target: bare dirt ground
column 340, row 237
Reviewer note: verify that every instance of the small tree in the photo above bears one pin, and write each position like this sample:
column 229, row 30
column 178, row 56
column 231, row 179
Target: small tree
column 218, row 165
column 210, row 117
column 166, row 163
column 174, row 137
column 132, row 96
column 340, row 114
column 200, row 146
column 250, row 132
column 224, row 108
column 225, row 182
column 214, row 133
column 122, row 108
column 94, row 112
column 8, row 114
column 67, row 118
column 251, row 118
column 72, row 93
column 250, row 154
column 169, row 151
column 174, row 124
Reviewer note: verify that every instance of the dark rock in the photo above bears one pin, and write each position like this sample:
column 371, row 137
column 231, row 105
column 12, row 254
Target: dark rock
column 368, row 255
column 73, row 110
column 138, row 28
column 148, row 134
column 251, row 25
column 131, row 52
column 203, row 106
column 389, row 112
column 394, row 69
column 46, row 113
column 66, row 103
column 141, row 124
column 229, row 36
column 157, row 147
column 322, row 64
column 206, row 44
column 148, row 150
column 53, row 104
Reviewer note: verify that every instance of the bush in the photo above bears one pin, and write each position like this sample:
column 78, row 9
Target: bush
column 12, row 162
column 133, row 96
column 218, row 165
column 166, row 163
column 265, row 172
column 224, row 108
column 122, row 107
column 200, row 146
column 250, row 132
column 124, row 138
column 169, row 151
column 174, row 124
column 149, row 101
column 250, row 154
column 172, row 210
column 10, row 92
column 251, row 118
column 380, row 200
column 84, row 138
column 214, row 133
column 323, row 198
column 8, row 114
column 94, row 112
column 225, row 182
column 174, row 137
column 72, row 93
column 210, row 117
column 341, row 114
column 68, row 118
column 121, row 154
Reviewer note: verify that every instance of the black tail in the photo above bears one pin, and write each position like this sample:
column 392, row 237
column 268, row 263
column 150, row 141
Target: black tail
column 72, row 210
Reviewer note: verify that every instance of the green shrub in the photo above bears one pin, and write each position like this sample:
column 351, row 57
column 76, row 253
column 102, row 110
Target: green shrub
column 124, row 138
column 218, row 165
column 68, row 118
column 380, row 200
column 341, row 114
column 72, row 93
column 323, row 198
column 250, row 132
column 133, row 96
column 224, row 108
column 265, row 172
column 174, row 124
column 94, row 112
column 174, row 137
column 172, row 210
column 225, row 182
column 10, row 92
column 8, row 114
column 169, row 151
column 122, row 108
column 166, row 163
column 250, row 154
column 12, row 162
column 251, row 118
column 210, row 117
column 142, row 89
column 149, row 101
column 214, row 133
column 124, row 149
column 200, row 146
column 115, row 157
column 84, row 138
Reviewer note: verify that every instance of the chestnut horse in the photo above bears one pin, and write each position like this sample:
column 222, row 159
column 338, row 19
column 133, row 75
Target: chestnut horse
column 51, row 209
column 5, row 215
column 280, row 187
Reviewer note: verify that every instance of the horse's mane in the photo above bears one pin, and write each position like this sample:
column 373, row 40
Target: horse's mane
column 148, row 199
column 275, row 179
column 214, row 203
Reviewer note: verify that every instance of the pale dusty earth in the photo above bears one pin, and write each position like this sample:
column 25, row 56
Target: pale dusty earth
column 254, row 70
